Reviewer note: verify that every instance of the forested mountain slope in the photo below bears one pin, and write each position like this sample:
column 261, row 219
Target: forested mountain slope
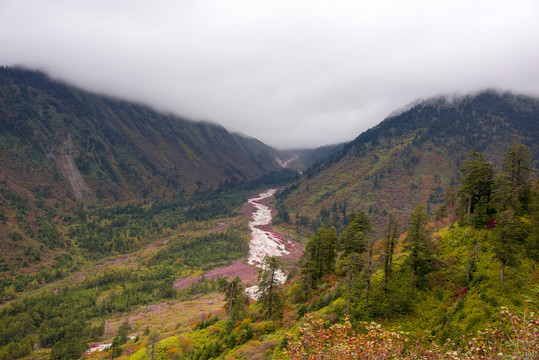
column 413, row 157
column 63, row 150
column 61, row 142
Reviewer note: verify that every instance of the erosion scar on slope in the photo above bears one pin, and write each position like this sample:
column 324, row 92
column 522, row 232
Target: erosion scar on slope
column 63, row 155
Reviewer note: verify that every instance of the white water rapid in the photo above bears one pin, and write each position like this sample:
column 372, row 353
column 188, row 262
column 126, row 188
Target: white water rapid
column 264, row 243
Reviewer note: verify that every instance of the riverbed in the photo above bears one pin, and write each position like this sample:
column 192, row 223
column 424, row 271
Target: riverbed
column 264, row 242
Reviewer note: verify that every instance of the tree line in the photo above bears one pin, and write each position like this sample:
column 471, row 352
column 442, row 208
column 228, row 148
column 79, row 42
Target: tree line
column 376, row 280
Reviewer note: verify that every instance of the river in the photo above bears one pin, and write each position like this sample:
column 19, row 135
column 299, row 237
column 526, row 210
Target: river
column 263, row 242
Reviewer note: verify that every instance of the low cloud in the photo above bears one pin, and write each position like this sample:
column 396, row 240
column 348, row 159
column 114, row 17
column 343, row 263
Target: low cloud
column 290, row 73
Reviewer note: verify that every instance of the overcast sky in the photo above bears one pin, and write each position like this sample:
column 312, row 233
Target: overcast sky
column 290, row 73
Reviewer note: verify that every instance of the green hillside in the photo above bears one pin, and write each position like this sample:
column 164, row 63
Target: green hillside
column 412, row 158
column 64, row 150
column 58, row 141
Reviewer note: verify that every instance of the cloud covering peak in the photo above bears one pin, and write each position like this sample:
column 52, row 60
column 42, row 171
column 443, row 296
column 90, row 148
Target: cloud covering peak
column 290, row 73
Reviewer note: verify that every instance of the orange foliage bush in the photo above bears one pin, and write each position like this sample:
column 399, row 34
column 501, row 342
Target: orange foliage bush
column 515, row 337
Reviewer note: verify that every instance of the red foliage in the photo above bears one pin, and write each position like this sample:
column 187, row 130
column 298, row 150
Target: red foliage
column 516, row 337
column 460, row 292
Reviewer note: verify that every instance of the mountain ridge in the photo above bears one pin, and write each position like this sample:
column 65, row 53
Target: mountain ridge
column 414, row 157
column 65, row 151
column 121, row 150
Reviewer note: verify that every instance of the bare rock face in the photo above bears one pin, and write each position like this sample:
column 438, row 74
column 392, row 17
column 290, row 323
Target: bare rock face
column 63, row 154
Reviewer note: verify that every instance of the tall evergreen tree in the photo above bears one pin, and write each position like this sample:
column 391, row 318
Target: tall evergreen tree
column 503, row 195
column 350, row 267
column 123, row 332
column 269, row 287
column 153, row 339
column 306, row 272
column 477, row 177
column 517, row 164
column 115, row 348
column 234, row 296
column 368, row 272
column 318, row 258
column 418, row 243
column 505, row 238
column 532, row 243
column 355, row 236
column 389, row 247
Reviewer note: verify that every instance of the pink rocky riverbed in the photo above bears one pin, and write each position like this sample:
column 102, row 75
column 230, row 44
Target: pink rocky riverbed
column 264, row 242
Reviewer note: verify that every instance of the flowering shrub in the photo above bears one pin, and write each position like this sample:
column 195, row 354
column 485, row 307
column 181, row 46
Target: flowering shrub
column 339, row 341
column 515, row 337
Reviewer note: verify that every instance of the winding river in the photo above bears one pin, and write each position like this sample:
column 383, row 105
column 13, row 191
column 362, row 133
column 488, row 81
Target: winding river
column 264, row 243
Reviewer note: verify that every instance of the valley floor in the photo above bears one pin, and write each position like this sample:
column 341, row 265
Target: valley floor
column 175, row 315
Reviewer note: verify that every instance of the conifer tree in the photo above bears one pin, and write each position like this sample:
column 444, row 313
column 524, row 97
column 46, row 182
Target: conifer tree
column 503, row 195
column 533, row 238
column 505, row 238
column 368, row 272
column 123, row 332
column 517, row 164
column 418, row 243
column 234, row 296
column 153, row 339
column 306, row 265
column 115, row 348
column 477, row 176
column 269, row 286
column 350, row 266
column 318, row 258
column 355, row 236
column 389, row 247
